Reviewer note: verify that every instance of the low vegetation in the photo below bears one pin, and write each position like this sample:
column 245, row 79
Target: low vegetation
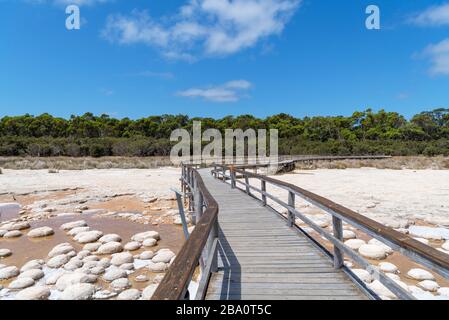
column 363, row 133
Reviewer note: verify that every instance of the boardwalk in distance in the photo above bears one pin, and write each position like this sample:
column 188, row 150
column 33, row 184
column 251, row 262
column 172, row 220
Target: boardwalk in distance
column 260, row 257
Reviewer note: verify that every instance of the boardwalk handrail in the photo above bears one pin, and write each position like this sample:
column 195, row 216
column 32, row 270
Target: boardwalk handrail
column 200, row 248
column 406, row 245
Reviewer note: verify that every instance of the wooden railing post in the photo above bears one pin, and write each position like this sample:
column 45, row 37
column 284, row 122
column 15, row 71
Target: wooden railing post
column 198, row 204
column 291, row 214
column 264, row 189
column 232, row 174
column 224, row 173
column 246, row 182
column 338, row 233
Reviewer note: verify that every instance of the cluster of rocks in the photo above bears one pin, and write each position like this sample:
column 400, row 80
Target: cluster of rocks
column 425, row 289
column 70, row 275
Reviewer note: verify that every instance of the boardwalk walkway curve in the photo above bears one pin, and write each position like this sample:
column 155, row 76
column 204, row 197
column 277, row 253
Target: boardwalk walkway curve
column 246, row 250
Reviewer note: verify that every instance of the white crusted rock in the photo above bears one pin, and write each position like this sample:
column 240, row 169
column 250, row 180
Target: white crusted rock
column 146, row 255
column 5, row 253
column 372, row 251
column 429, row 285
column 420, row 274
column 112, row 237
column 33, row 293
column 363, row 275
column 88, row 236
column 8, row 272
column 79, row 291
column 150, row 242
column 58, row 261
column 145, row 235
column 40, row 232
column 110, row 247
column 388, row 267
column 34, row 274
column 121, row 258
column 132, row 246
column 91, row 247
column 354, row 244
column 130, row 294
column 32, row 264
column 74, row 224
column 163, row 255
column 120, row 284
column 157, row 267
column 149, row 291
column 62, row 248
column 21, row 283
column 114, row 273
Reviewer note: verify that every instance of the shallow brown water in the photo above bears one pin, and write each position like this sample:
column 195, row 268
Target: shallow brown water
column 25, row 249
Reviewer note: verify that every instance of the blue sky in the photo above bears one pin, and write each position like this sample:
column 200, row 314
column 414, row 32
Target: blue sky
column 213, row 58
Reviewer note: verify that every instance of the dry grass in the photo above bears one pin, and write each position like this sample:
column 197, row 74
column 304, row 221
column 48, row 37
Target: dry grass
column 395, row 163
column 54, row 164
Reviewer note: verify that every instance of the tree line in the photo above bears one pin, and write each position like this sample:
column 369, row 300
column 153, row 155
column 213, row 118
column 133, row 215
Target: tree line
column 365, row 132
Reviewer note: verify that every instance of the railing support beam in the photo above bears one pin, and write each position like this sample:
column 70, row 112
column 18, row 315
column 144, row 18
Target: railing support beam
column 338, row 233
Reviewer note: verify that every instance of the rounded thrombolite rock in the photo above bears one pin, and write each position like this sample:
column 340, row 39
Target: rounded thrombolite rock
column 163, row 255
column 2, row 232
column 74, row 224
column 354, row 244
column 88, row 236
column 34, row 274
column 8, row 272
column 33, row 264
column 127, row 266
column 73, row 232
column 420, row 274
column 121, row 258
column 150, row 242
column 34, row 293
column 120, row 284
column 148, row 292
column 381, row 290
column 349, row 234
column 130, row 294
column 376, row 242
column 429, row 285
column 12, row 234
column 444, row 291
column 157, row 267
column 16, row 226
column 40, row 232
column 58, row 261
column 73, row 264
column 68, row 279
column 146, row 255
column 92, row 247
column 78, row 291
column 62, row 248
column 388, row 267
column 140, row 237
column 5, row 253
column 21, row 283
column 363, row 275
column 110, row 247
column 114, row 274
column 112, row 237
column 373, row 251
column 132, row 246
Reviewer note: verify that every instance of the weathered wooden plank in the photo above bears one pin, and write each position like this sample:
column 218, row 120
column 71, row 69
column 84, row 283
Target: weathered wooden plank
column 262, row 258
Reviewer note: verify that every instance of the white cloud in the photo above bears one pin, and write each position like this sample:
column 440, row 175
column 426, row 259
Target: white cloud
column 204, row 27
column 439, row 57
column 231, row 91
column 433, row 16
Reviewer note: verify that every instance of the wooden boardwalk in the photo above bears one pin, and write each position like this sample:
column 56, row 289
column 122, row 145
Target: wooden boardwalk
column 260, row 257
